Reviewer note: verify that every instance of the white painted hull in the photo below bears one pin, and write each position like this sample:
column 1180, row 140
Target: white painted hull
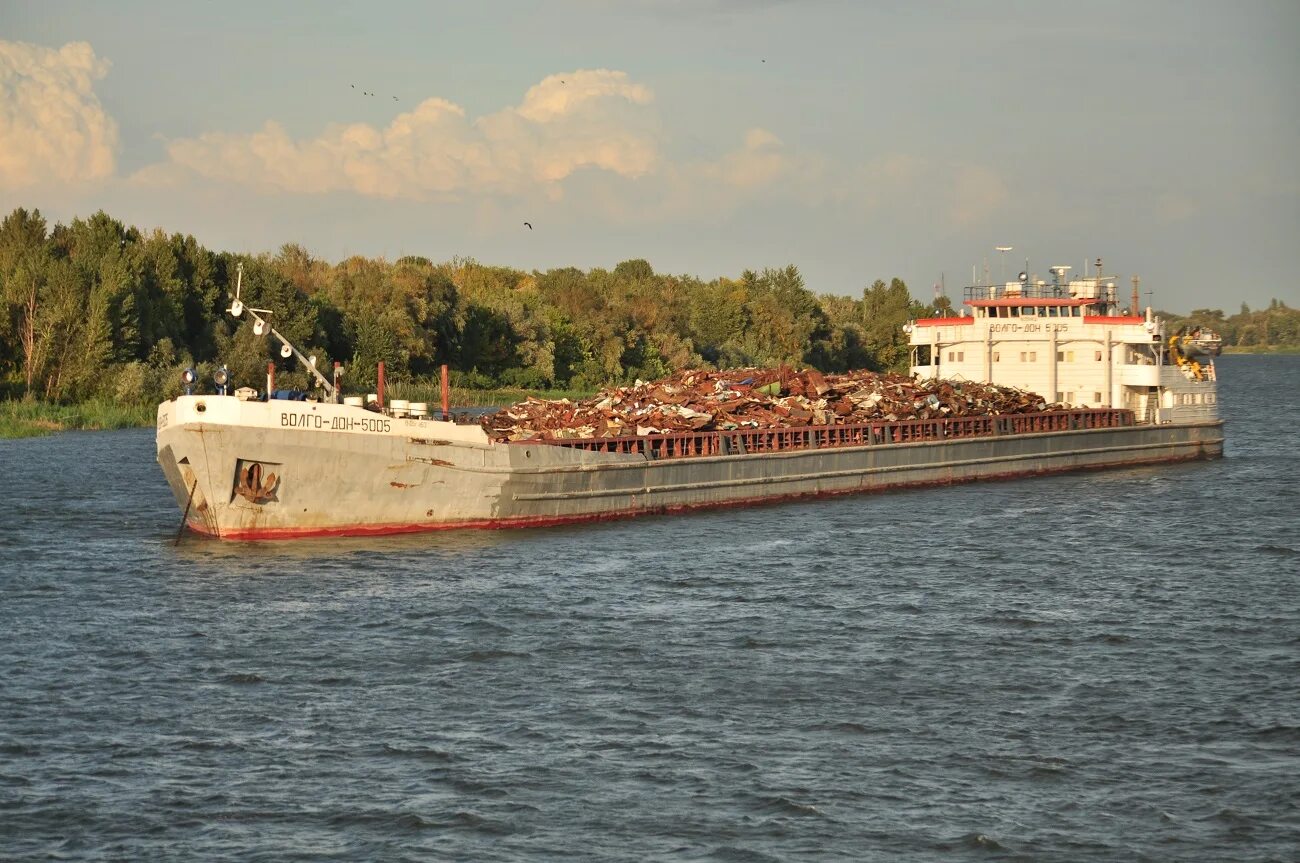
column 342, row 470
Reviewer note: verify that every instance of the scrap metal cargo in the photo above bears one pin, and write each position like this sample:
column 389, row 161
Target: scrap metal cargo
column 697, row 400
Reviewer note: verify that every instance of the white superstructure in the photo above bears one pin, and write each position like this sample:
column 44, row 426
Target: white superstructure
column 1070, row 342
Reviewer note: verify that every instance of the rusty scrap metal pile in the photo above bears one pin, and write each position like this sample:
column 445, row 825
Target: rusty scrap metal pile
column 697, row 400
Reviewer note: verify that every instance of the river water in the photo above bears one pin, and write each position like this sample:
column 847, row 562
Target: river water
column 1083, row 667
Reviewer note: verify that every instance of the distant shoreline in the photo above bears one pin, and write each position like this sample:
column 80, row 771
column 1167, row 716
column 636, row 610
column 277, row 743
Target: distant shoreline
column 1262, row 350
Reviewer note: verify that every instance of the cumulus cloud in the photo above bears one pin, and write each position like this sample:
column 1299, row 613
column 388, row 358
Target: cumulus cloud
column 903, row 183
column 585, row 119
column 52, row 127
column 760, row 161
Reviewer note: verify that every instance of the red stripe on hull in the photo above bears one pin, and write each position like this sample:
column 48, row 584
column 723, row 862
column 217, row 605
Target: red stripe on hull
column 670, row 509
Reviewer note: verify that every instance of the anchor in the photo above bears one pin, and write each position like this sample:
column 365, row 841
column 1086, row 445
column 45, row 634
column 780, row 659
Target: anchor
column 251, row 486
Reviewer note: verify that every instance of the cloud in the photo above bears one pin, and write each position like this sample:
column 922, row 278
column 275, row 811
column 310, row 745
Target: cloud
column 584, row 119
column 760, row 161
column 907, row 185
column 977, row 193
column 52, row 127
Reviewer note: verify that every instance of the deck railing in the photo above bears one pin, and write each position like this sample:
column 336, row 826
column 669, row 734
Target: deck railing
column 882, row 433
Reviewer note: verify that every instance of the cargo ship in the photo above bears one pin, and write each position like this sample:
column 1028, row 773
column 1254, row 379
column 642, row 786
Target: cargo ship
column 250, row 465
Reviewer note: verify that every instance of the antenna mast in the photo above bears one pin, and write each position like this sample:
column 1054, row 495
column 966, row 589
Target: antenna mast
column 261, row 325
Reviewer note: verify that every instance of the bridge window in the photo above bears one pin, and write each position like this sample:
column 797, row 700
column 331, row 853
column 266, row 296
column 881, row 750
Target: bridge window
column 1026, row 311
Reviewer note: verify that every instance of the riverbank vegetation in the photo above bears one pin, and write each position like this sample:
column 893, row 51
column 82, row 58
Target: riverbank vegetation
column 30, row 418
column 99, row 310
column 98, row 313
column 1275, row 329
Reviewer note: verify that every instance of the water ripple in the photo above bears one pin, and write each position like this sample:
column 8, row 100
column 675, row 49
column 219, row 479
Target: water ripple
column 1090, row 668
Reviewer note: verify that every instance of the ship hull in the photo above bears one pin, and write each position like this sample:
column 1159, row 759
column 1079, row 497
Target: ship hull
column 315, row 472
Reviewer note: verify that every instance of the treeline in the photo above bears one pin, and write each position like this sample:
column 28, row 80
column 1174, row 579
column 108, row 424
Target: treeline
column 96, row 309
column 1265, row 329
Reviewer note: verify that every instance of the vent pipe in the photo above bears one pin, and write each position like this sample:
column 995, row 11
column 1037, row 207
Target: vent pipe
column 446, row 400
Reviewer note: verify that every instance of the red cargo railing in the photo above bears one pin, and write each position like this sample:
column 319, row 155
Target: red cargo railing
column 740, row 441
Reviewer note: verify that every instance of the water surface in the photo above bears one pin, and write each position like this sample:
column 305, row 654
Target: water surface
column 1089, row 667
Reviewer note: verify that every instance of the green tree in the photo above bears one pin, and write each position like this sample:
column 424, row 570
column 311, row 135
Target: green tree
column 885, row 309
column 24, row 266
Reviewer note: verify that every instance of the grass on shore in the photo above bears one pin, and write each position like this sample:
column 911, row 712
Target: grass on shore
column 29, row 418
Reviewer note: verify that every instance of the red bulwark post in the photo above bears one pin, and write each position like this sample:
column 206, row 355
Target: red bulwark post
column 270, row 379
column 446, row 400
column 338, row 396
column 380, row 395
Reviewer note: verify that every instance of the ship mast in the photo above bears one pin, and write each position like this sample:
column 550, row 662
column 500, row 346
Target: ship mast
column 261, row 326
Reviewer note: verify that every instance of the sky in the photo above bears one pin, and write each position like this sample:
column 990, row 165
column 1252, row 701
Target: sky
column 855, row 140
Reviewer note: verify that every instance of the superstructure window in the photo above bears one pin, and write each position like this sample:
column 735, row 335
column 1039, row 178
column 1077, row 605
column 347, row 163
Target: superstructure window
column 1027, row 311
column 997, row 356
column 1096, row 397
column 1097, row 356
column 1029, row 356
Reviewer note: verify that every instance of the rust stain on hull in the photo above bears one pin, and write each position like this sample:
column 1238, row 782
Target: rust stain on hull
column 517, row 522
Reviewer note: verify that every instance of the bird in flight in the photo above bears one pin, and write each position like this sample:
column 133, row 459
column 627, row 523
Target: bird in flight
column 529, row 225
